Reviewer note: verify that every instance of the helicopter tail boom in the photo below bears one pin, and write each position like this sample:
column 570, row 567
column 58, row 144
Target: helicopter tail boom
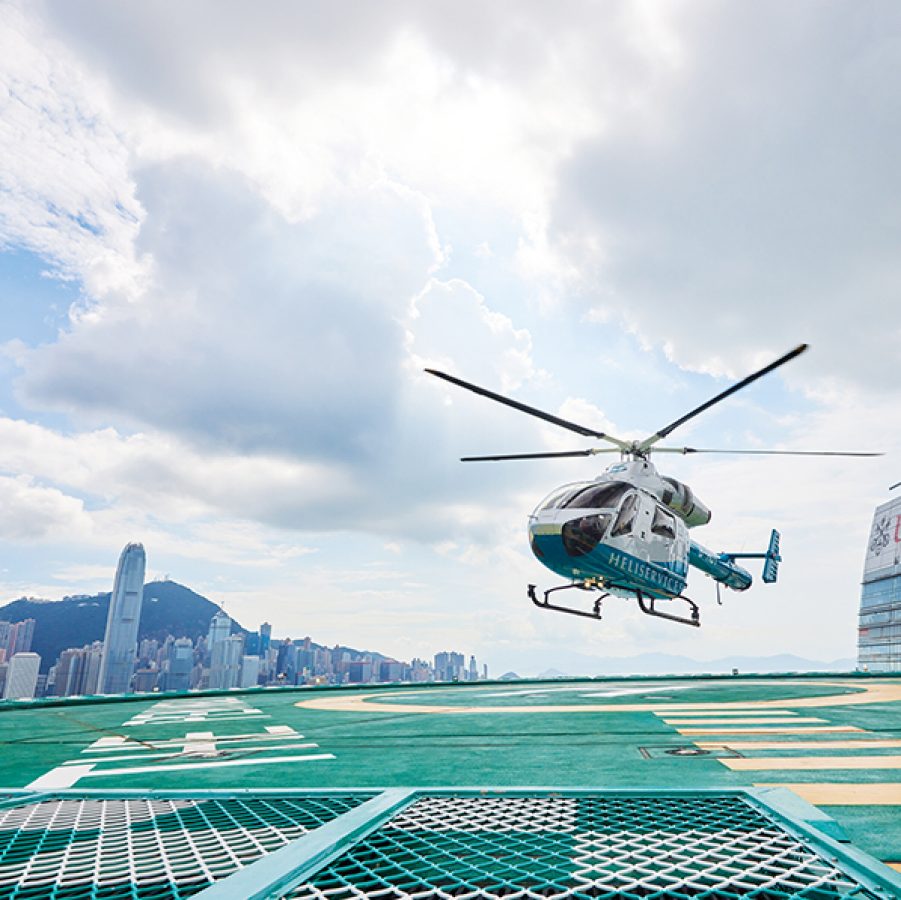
column 721, row 564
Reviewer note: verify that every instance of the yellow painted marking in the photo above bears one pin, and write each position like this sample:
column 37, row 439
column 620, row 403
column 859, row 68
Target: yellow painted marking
column 896, row 866
column 750, row 721
column 835, row 794
column 858, row 744
column 864, row 692
column 730, row 712
column 811, row 763
column 810, row 729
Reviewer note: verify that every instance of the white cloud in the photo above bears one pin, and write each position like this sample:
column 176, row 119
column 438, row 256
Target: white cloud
column 760, row 212
column 65, row 186
column 277, row 219
column 29, row 512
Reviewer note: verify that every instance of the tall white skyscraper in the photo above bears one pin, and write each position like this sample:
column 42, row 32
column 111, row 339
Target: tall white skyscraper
column 22, row 676
column 225, row 662
column 220, row 629
column 120, row 640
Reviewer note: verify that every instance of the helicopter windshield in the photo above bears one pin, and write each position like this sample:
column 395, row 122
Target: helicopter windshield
column 598, row 496
column 557, row 499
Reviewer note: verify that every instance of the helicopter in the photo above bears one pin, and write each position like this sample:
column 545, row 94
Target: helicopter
column 626, row 533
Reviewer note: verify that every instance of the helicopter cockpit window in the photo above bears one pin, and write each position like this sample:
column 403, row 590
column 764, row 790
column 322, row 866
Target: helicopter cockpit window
column 664, row 524
column 559, row 497
column 627, row 514
column 598, row 496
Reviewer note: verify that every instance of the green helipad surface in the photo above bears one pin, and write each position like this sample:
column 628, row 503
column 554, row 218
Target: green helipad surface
column 835, row 741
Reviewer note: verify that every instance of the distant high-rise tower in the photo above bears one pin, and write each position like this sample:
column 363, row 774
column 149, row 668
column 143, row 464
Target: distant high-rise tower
column 879, row 635
column 220, row 629
column 21, row 636
column 22, row 676
column 265, row 639
column 121, row 637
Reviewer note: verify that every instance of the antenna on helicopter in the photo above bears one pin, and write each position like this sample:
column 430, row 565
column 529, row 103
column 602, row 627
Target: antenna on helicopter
column 639, row 449
column 898, row 484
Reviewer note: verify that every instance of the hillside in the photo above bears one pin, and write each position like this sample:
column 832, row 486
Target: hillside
column 168, row 608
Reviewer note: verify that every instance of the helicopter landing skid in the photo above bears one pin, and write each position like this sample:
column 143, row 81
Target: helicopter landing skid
column 646, row 604
column 546, row 604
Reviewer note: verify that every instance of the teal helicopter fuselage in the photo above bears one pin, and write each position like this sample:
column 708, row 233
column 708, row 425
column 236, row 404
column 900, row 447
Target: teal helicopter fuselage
column 627, row 532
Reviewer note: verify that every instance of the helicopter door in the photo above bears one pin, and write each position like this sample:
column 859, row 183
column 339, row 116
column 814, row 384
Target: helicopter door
column 663, row 525
column 668, row 542
column 627, row 516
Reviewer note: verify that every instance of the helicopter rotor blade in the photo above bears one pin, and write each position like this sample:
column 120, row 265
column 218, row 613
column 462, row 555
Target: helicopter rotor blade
column 685, row 450
column 558, row 455
column 663, row 432
column 529, row 410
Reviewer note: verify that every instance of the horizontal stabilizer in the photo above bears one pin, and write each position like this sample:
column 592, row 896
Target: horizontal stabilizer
column 771, row 566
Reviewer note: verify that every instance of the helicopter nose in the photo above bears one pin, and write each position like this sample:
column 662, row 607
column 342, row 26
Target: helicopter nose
column 544, row 538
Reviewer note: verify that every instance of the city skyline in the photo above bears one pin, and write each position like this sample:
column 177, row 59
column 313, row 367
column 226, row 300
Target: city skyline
column 230, row 244
column 226, row 657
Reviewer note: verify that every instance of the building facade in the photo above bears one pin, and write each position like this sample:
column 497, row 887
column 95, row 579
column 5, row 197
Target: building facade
column 21, row 676
column 178, row 666
column 879, row 635
column 225, row 657
column 121, row 637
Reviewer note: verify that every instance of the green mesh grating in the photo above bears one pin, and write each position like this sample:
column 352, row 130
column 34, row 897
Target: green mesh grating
column 146, row 848
column 716, row 848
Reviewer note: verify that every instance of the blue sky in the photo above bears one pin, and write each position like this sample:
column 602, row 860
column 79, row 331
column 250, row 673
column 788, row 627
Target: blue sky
column 230, row 244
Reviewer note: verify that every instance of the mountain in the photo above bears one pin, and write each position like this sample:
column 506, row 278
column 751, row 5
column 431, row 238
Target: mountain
column 168, row 608
column 551, row 673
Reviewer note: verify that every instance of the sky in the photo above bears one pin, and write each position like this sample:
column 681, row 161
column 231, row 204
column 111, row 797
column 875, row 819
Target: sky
column 233, row 235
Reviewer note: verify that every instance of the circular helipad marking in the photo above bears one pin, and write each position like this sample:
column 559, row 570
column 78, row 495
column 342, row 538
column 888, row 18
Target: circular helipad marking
column 864, row 692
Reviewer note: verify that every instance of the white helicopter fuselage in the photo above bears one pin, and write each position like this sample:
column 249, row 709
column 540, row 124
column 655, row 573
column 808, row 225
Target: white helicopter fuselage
column 627, row 531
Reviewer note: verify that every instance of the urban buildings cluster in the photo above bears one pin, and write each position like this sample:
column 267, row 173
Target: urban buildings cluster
column 219, row 660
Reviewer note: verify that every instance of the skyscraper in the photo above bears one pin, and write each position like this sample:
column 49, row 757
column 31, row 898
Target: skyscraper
column 179, row 662
column 265, row 639
column 449, row 666
column 220, row 629
column 120, row 639
column 21, row 636
column 22, row 676
column 879, row 634
column 225, row 662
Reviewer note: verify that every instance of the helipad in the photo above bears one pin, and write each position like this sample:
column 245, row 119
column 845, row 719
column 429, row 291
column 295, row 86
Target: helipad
column 834, row 741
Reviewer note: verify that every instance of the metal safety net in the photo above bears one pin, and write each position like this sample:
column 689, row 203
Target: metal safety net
column 145, row 848
column 712, row 847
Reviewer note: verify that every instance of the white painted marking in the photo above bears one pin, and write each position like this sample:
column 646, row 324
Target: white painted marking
column 628, row 692
column 174, row 712
column 134, row 770
column 109, row 743
column 60, row 777
column 191, row 753
column 246, row 738
column 191, row 720
column 200, row 743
